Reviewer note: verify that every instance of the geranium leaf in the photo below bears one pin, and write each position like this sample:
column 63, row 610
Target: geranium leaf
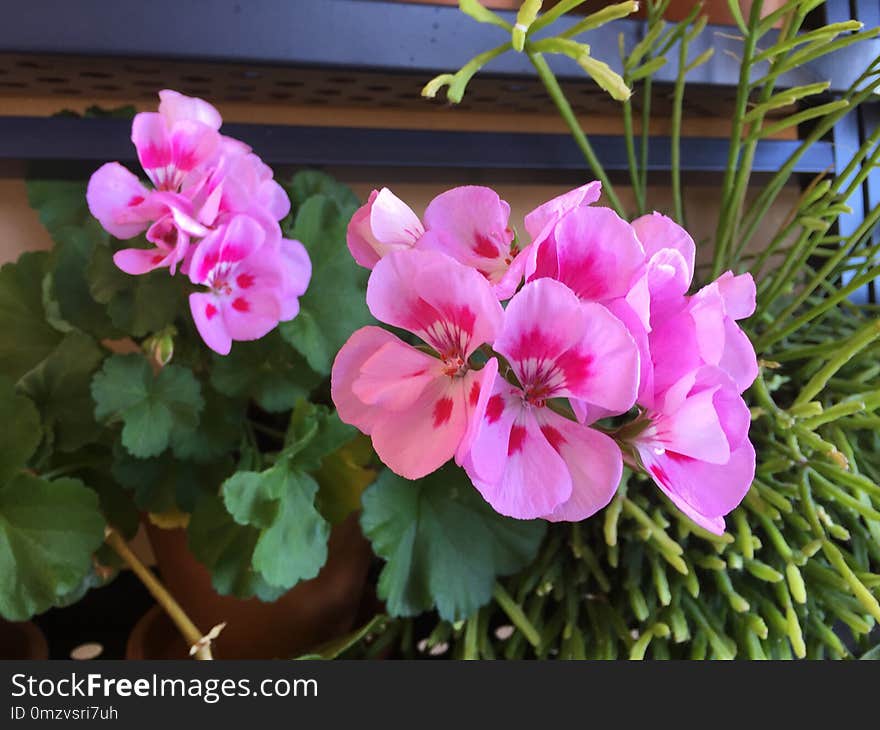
column 226, row 549
column 444, row 546
column 325, row 322
column 137, row 305
column 306, row 183
column 59, row 386
column 48, row 532
column 280, row 501
column 163, row 483
column 267, row 370
column 21, row 430
column 70, row 282
column 315, row 432
column 151, row 407
column 27, row 337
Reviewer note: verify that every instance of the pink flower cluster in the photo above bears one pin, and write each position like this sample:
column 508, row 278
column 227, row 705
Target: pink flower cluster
column 212, row 211
column 602, row 326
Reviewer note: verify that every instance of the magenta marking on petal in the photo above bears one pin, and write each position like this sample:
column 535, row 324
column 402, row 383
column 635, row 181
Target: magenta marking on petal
column 240, row 304
column 135, row 200
column 210, row 311
column 552, row 435
column 157, row 259
column 244, row 281
column 660, row 475
column 153, row 157
column 533, row 344
column 474, row 395
column 517, row 438
column 233, row 252
column 484, row 246
column 680, row 458
column 494, row 408
column 442, row 411
column 575, row 366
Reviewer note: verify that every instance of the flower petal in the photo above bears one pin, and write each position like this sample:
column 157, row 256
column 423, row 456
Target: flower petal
column 470, row 224
column 362, row 345
column 479, row 386
column 395, row 375
column 297, row 270
column 594, row 462
column 599, row 257
column 119, row 201
column 383, row 224
column 209, row 322
column 546, row 216
column 418, row 440
column 657, row 232
column 572, row 348
column 448, row 305
column 175, row 107
column 704, row 492
column 138, row 261
column 534, row 479
column 252, row 314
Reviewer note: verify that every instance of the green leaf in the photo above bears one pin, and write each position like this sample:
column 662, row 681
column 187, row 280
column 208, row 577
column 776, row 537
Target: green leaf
column 48, row 532
column 137, row 305
column 343, row 477
column 219, row 430
column 59, row 386
column 303, row 185
column 226, row 549
column 280, row 501
column 164, row 484
column 21, row 430
column 152, row 408
column 315, row 432
column 326, row 321
column 60, row 204
column 443, row 545
column 27, row 337
column 267, row 370
column 71, row 286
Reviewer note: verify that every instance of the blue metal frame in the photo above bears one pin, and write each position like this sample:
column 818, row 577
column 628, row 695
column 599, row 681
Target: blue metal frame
column 848, row 136
column 92, row 141
column 366, row 34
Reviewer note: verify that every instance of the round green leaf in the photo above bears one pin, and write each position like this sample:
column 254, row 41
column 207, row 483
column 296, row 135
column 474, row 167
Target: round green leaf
column 152, row 408
column 444, row 546
column 27, row 337
column 48, row 532
column 22, row 431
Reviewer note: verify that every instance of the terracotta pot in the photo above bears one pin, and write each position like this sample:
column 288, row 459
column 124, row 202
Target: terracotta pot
column 314, row 612
column 22, row 641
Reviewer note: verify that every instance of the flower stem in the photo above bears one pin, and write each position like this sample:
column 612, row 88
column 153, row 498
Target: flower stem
column 187, row 628
column 558, row 96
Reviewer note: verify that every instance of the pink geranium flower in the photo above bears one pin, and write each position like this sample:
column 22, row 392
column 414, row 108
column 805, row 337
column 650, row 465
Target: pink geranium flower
column 703, row 331
column 384, row 224
column 176, row 140
column 472, row 225
column 420, row 408
column 527, row 460
column 696, row 446
column 252, row 283
column 597, row 255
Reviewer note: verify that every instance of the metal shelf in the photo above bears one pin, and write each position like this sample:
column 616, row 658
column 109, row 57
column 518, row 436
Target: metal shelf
column 89, row 142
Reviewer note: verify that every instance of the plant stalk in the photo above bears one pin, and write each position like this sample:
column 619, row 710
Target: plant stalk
column 187, row 628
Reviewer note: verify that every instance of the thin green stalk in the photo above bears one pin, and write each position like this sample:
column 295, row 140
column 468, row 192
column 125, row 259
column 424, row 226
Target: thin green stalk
column 559, row 99
column 723, row 231
column 675, row 136
column 516, row 615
